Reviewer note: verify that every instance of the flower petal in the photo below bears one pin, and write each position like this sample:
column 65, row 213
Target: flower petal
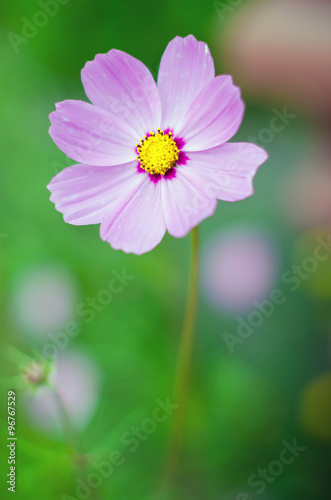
column 122, row 85
column 91, row 135
column 227, row 169
column 186, row 68
column 186, row 202
column 137, row 226
column 214, row 117
column 83, row 193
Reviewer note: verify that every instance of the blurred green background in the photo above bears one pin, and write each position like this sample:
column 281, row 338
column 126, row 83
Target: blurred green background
column 272, row 387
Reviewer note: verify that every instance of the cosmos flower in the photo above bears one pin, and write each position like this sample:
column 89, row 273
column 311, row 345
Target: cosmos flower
column 153, row 157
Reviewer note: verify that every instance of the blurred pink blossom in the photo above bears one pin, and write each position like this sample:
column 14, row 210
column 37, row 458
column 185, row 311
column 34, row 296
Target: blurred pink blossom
column 282, row 49
column 77, row 381
column 239, row 267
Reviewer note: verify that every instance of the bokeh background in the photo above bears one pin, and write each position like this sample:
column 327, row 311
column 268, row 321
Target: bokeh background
column 254, row 388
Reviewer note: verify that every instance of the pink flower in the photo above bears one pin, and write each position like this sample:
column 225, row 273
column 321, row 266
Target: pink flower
column 77, row 380
column 240, row 267
column 152, row 157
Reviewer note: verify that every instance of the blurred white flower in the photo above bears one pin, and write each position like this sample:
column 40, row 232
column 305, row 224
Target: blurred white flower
column 44, row 300
column 77, row 381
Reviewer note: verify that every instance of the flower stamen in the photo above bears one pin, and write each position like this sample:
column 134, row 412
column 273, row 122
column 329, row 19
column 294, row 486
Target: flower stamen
column 158, row 152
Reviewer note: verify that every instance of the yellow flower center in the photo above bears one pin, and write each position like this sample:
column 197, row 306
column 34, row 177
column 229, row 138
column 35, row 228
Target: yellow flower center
column 157, row 153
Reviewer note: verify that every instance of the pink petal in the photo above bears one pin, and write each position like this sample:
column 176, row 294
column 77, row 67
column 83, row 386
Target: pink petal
column 138, row 225
column 122, row 85
column 83, row 193
column 186, row 68
column 91, row 135
column 227, row 169
column 186, row 202
column 214, row 117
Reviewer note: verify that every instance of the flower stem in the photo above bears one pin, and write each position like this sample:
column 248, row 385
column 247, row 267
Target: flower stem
column 181, row 388
column 68, row 427
column 73, row 438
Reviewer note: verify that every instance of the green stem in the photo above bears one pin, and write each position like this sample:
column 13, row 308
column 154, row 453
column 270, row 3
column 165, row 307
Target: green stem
column 181, row 390
column 68, row 427
column 73, row 438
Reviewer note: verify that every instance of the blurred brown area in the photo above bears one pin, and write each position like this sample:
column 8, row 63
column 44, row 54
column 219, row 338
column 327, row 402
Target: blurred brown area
column 283, row 49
